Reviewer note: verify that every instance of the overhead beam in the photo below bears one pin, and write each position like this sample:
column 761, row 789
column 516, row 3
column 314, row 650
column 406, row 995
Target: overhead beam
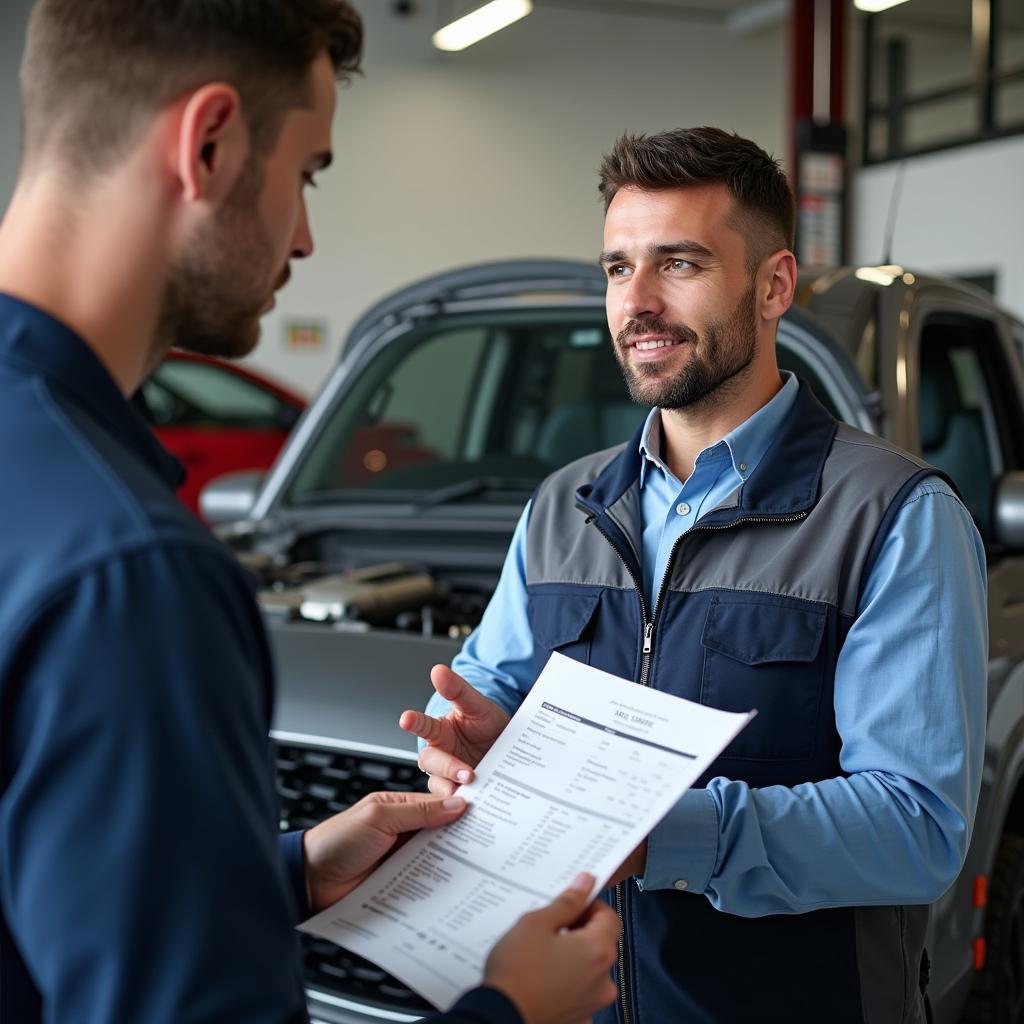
column 640, row 9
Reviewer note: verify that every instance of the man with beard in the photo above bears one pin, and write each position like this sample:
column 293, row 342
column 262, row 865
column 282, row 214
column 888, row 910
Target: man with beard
column 160, row 197
column 745, row 551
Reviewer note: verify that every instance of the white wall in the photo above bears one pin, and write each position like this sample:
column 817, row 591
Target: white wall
column 960, row 212
column 447, row 159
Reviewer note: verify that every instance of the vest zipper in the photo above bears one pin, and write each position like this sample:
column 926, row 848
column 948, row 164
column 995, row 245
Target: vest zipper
column 619, row 890
column 649, row 628
column 625, row 1002
column 648, row 637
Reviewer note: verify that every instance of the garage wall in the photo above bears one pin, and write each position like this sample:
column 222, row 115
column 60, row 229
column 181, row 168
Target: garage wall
column 446, row 159
column 939, row 56
column 13, row 15
column 960, row 212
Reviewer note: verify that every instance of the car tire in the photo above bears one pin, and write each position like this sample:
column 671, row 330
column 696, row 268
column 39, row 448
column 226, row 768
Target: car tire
column 998, row 994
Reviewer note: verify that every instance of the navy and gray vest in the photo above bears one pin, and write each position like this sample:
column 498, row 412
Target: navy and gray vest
column 755, row 604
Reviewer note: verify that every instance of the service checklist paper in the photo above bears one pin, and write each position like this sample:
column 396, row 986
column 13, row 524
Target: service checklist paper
column 581, row 774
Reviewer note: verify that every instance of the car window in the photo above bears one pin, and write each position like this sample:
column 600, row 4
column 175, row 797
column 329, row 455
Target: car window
column 501, row 399
column 185, row 393
column 508, row 397
column 960, row 419
column 426, row 396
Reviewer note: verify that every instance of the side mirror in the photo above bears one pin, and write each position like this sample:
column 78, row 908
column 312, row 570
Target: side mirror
column 1008, row 512
column 230, row 497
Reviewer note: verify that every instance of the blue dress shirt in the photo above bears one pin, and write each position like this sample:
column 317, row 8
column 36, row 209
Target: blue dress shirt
column 910, row 706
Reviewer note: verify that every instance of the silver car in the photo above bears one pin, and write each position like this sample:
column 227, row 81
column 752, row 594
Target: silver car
column 380, row 532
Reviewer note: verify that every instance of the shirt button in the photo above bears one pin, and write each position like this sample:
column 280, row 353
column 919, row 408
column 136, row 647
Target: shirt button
column 683, row 509
column 681, row 884
column 743, row 467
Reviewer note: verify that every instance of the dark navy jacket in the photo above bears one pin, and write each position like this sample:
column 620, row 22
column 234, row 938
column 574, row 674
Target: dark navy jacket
column 757, row 601
column 141, row 878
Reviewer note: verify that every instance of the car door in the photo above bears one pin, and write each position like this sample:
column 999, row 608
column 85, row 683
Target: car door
column 965, row 417
column 961, row 380
column 214, row 421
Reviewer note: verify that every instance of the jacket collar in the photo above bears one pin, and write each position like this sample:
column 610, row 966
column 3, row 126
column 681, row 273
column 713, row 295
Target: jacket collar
column 38, row 344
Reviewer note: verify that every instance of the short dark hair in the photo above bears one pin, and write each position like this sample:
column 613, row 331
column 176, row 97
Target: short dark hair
column 764, row 206
column 95, row 71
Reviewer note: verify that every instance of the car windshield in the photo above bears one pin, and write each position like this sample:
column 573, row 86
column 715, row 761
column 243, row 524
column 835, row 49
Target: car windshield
column 187, row 393
column 474, row 407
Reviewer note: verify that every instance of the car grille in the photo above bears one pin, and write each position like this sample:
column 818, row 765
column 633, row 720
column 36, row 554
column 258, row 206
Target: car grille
column 315, row 782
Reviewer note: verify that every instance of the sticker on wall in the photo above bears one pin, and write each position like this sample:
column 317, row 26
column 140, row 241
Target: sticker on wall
column 305, row 335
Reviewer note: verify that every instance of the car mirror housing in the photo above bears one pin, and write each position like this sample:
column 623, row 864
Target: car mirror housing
column 1008, row 512
column 230, row 497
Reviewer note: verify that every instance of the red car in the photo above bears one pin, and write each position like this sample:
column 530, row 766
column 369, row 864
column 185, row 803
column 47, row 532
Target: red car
column 216, row 417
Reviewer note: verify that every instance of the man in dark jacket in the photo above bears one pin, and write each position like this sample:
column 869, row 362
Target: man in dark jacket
column 745, row 550
column 160, row 198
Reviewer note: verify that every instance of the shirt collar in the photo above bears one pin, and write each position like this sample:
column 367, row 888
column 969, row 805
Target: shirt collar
column 41, row 344
column 744, row 446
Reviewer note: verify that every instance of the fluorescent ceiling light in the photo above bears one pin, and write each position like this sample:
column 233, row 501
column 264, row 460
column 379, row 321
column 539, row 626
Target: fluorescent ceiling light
column 879, row 275
column 482, row 22
column 874, row 6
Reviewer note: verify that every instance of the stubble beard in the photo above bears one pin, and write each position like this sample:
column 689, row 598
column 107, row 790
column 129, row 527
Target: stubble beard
column 216, row 292
column 716, row 368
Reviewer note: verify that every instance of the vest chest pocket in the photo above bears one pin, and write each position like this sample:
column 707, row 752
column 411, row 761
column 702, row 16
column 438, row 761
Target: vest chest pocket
column 764, row 653
column 560, row 620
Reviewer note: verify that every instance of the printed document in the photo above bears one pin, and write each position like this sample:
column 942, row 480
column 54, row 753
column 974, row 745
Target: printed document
column 584, row 770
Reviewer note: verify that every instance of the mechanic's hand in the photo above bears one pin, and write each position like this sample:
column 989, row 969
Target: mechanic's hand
column 553, row 964
column 341, row 851
column 457, row 742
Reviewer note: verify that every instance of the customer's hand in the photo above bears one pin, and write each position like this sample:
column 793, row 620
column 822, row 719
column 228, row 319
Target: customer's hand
column 341, row 851
column 457, row 742
column 553, row 964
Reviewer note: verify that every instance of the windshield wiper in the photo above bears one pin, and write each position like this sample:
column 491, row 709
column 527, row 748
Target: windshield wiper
column 471, row 488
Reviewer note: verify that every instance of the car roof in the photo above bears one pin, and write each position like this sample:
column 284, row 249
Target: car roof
column 254, row 377
column 844, row 299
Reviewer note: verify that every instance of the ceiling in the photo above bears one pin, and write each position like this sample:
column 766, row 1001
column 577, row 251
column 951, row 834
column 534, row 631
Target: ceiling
column 712, row 11
column 947, row 15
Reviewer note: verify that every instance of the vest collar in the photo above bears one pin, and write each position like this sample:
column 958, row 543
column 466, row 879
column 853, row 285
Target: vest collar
column 786, row 481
